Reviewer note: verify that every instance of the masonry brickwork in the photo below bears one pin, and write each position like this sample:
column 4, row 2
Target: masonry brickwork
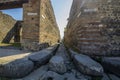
column 31, row 24
column 39, row 24
column 94, row 27
column 49, row 31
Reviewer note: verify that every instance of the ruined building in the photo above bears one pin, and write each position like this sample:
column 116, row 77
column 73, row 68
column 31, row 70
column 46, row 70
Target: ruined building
column 94, row 27
column 39, row 23
column 6, row 24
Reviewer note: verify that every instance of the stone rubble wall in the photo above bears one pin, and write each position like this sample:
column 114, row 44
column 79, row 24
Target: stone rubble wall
column 49, row 31
column 31, row 25
column 94, row 27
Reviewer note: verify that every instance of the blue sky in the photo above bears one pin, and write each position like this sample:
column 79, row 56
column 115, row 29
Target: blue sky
column 15, row 13
column 61, row 9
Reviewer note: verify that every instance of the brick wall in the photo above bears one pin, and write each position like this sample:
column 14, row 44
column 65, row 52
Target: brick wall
column 31, row 25
column 94, row 27
column 49, row 31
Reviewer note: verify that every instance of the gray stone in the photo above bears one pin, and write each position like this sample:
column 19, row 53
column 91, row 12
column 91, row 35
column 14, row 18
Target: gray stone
column 50, row 75
column 43, row 56
column 37, row 74
column 80, row 76
column 113, row 77
column 57, row 64
column 87, row 65
column 62, row 52
column 105, row 77
column 37, row 47
column 72, row 53
column 72, row 76
column 34, row 47
column 16, row 69
column 112, row 64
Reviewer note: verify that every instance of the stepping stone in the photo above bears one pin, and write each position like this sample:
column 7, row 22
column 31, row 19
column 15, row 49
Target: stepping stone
column 37, row 74
column 105, row 77
column 16, row 69
column 72, row 76
column 112, row 64
column 43, row 56
column 87, row 65
column 113, row 77
column 57, row 64
column 50, row 75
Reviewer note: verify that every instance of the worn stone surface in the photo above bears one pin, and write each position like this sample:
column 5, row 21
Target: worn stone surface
column 37, row 47
column 105, row 77
column 113, row 77
column 60, row 67
column 16, row 69
column 43, row 56
column 57, row 67
column 48, row 32
column 62, row 52
column 37, row 74
column 6, row 24
column 87, row 65
column 112, row 64
column 11, row 52
column 94, row 27
column 74, row 76
column 57, row 64
column 50, row 75
column 80, row 75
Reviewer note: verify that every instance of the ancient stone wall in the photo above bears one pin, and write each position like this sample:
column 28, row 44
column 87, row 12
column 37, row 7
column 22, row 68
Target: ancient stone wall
column 39, row 24
column 94, row 27
column 6, row 24
column 31, row 25
column 49, row 31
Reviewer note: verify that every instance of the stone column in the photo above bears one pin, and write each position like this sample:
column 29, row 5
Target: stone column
column 31, row 24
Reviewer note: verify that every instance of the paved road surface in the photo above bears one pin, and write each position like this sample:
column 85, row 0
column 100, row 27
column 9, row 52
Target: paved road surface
column 11, row 52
